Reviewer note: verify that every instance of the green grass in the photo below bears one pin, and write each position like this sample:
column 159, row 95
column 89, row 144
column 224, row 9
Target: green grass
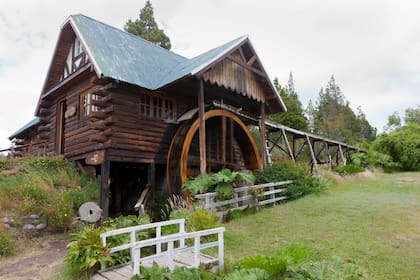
column 373, row 223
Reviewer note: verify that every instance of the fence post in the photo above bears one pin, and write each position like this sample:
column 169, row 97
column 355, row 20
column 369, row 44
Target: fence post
column 132, row 241
column 136, row 261
column 197, row 251
column 235, row 200
column 158, row 235
column 221, row 251
column 182, row 230
column 170, row 255
column 273, row 195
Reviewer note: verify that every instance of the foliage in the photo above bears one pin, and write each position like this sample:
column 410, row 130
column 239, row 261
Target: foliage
column 59, row 212
column 158, row 206
column 7, row 242
column 303, row 183
column 248, row 274
column 181, row 213
column 5, row 164
column 146, row 27
column 275, row 264
column 402, row 145
column 222, row 182
column 332, row 269
column 412, row 115
column 348, row 169
column 201, row 219
column 333, row 117
column 179, row 273
column 394, row 122
column 294, row 117
column 85, row 252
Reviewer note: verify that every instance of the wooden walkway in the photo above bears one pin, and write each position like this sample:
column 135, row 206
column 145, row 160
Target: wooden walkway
column 125, row 272
column 171, row 250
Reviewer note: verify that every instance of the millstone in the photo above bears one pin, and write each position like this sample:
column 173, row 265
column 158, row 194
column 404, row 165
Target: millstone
column 90, row 212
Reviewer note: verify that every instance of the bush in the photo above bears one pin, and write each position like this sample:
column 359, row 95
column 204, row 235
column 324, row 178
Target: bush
column 221, row 182
column 179, row 273
column 176, row 214
column 275, row 265
column 7, row 243
column 5, row 164
column 348, row 169
column 85, row 251
column 248, row 274
column 201, row 219
column 59, row 212
column 335, row 268
column 303, row 182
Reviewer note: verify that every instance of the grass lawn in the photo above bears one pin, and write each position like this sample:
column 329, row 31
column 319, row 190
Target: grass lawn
column 374, row 223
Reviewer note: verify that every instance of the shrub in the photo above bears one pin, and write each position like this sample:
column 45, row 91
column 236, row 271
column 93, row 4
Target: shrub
column 221, row 182
column 176, row 214
column 303, row 182
column 161, row 273
column 276, row 265
column 86, row 253
column 248, row 274
column 348, row 169
column 7, row 241
column 335, row 268
column 59, row 212
column 5, row 164
column 201, row 219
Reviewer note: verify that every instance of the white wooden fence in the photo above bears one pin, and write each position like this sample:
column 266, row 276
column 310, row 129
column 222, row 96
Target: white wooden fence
column 175, row 245
column 168, row 257
column 243, row 197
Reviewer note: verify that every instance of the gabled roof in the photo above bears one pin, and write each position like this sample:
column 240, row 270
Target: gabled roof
column 125, row 57
column 24, row 128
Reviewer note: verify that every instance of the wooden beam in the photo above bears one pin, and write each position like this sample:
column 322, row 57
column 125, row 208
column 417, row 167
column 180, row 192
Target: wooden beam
column 312, row 154
column 224, row 141
column 105, row 181
column 231, row 135
column 263, row 135
column 286, row 141
column 202, row 127
column 343, row 159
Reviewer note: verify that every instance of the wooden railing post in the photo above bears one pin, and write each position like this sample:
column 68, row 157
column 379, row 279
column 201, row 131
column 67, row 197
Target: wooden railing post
column 182, row 230
column 158, row 235
column 136, row 261
column 221, row 249
column 197, row 251
column 170, row 255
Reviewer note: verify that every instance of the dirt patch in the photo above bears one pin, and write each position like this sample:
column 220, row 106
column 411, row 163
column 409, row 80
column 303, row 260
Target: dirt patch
column 37, row 264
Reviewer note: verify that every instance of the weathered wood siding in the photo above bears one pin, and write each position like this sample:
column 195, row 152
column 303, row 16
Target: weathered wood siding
column 231, row 75
column 134, row 137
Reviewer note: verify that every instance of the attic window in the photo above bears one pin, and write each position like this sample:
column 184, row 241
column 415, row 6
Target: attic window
column 157, row 107
column 86, row 104
column 76, row 58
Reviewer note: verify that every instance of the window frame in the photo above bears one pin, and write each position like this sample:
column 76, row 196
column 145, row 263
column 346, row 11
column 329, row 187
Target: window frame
column 157, row 107
column 87, row 108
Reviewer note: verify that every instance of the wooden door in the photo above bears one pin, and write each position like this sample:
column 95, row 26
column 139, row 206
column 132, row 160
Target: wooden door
column 61, row 109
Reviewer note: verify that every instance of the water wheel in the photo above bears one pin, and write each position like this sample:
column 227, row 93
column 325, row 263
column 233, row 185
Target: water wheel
column 229, row 144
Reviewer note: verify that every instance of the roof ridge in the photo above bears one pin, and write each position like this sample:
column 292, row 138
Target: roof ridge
column 127, row 33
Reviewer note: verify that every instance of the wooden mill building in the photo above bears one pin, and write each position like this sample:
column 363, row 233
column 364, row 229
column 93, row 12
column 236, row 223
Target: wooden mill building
column 136, row 114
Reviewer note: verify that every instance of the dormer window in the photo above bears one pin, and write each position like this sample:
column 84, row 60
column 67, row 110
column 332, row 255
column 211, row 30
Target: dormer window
column 76, row 58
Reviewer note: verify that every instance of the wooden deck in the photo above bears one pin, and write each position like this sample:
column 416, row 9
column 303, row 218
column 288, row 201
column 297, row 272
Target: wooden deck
column 125, row 272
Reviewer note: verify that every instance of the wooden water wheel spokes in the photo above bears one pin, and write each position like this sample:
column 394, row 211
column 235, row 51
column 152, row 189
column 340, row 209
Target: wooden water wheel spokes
column 229, row 144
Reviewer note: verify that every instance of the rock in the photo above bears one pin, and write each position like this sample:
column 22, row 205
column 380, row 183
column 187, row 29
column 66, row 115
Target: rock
column 36, row 222
column 34, row 217
column 13, row 230
column 5, row 220
column 7, row 226
column 41, row 226
column 28, row 228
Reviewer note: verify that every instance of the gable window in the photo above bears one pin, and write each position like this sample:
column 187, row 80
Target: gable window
column 86, row 104
column 157, row 107
column 76, row 58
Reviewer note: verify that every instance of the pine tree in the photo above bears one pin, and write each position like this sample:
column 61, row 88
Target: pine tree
column 294, row 117
column 146, row 27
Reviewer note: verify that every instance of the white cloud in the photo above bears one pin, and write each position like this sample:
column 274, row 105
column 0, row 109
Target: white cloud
column 370, row 46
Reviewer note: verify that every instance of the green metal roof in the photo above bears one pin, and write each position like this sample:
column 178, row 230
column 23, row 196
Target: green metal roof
column 120, row 55
column 24, row 128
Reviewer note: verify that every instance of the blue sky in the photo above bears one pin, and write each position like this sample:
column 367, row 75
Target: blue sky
column 371, row 47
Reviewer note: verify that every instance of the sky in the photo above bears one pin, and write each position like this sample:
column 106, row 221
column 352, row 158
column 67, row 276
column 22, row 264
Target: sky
column 371, row 47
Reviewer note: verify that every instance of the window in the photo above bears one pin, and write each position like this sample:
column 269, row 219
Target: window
column 157, row 107
column 86, row 106
column 76, row 58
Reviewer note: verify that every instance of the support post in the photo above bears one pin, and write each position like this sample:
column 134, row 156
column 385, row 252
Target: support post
column 342, row 155
column 311, row 150
column 286, row 141
column 263, row 135
column 224, row 142
column 105, row 181
column 202, row 128
column 231, row 133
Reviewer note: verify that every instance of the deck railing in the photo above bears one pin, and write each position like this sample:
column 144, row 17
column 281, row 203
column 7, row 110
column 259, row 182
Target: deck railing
column 243, row 197
column 132, row 231
column 172, row 252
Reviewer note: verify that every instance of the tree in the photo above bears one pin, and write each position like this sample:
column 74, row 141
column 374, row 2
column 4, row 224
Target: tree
column 394, row 122
column 333, row 117
column 146, row 27
column 412, row 115
column 294, row 116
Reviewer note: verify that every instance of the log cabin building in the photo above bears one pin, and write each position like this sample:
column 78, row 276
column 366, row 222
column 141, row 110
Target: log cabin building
column 136, row 114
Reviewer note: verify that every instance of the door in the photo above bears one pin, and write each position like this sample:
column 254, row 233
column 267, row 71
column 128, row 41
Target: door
column 61, row 121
